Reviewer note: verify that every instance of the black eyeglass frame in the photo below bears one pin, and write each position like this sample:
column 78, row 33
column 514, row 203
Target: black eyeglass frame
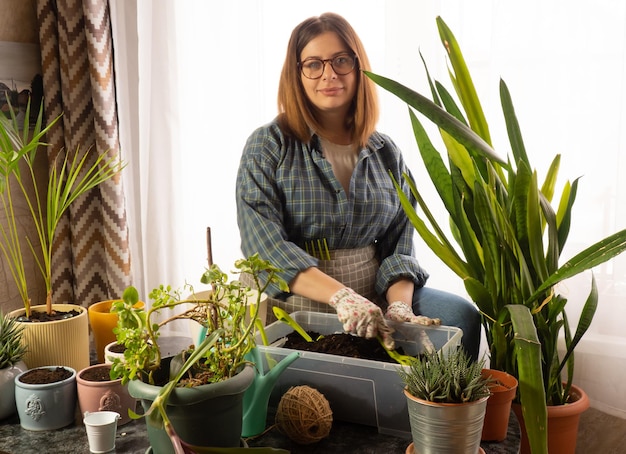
column 329, row 60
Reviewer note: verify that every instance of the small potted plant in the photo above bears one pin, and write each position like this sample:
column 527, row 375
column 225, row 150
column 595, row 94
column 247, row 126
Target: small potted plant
column 446, row 398
column 46, row 397
column 65, row 341
column 196, row 397
column 12, row 351
column 97, row 391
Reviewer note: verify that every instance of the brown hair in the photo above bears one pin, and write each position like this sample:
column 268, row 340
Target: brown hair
column 296, row 116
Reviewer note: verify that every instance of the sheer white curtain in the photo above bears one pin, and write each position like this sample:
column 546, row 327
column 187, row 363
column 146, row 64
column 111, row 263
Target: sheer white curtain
column 195, row 78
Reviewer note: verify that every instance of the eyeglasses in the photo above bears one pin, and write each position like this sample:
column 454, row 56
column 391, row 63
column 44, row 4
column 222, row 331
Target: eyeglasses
column 313, row 68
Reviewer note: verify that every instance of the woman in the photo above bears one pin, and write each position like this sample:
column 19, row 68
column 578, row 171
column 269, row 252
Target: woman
column 315, row 198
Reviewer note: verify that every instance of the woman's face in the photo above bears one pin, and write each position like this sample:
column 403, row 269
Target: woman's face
column 331, row 93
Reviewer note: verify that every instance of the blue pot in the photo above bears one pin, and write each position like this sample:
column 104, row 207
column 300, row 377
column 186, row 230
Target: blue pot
column 46, row 406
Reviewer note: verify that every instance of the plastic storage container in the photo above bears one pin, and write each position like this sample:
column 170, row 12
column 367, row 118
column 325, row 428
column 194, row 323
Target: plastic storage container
column 358, row 390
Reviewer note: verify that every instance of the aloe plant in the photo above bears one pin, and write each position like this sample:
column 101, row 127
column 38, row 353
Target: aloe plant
column 12, row 350
column 68, row 179
column 507, row 237
column 451, row 378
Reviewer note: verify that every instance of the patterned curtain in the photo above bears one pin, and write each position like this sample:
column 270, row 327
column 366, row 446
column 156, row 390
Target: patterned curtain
column 91, row 259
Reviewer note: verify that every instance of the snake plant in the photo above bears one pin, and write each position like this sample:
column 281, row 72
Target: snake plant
column 507, row 236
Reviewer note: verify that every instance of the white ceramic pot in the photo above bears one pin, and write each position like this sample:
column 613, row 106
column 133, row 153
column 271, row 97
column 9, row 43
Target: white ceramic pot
column 7, row 388
column 109, row 356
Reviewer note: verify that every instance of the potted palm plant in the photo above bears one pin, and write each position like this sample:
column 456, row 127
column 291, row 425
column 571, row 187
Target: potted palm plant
column 446, row 398
column 12, row 351
column 194, row 399
column 69, row 178
column 507, row 240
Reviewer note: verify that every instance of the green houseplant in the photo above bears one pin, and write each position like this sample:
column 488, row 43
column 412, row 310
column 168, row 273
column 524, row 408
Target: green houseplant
column 446, row 398
column 170, row 388
column 12, row 351
column 69, row 178
column 507, row 238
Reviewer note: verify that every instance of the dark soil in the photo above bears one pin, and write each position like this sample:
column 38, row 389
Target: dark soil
column 117, row 348
column 101, row 373
column 43, row 376
column 341, row 344
column 43, row 316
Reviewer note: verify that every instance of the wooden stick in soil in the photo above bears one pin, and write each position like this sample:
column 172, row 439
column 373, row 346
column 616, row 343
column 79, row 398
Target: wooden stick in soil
column 209, row 247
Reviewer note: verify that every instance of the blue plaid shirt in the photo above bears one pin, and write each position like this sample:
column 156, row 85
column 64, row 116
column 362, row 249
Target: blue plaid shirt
column 287, row 195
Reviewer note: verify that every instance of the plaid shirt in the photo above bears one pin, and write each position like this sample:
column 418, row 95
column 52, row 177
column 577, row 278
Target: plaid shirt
column 287, row 195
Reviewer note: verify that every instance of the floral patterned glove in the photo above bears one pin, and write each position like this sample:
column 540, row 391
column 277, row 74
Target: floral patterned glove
column 401, row 312
column 360, row 316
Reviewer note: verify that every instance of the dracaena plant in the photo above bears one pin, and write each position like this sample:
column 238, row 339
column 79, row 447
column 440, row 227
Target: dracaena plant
column 229, row 316
column 69, row 178
column 506, row 236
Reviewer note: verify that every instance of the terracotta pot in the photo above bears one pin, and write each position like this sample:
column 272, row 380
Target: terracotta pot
column 562, row 424
column 503, row 391
column 102, row 322
column 46, row 406
column 62, row 342
column 108, row 395
column 7, row 388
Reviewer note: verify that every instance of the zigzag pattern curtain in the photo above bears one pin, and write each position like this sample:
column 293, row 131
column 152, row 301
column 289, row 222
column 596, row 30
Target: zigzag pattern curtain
column 91, row 259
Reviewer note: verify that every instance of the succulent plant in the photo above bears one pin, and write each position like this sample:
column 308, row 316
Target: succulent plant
column 446, row 378
column 11, row 348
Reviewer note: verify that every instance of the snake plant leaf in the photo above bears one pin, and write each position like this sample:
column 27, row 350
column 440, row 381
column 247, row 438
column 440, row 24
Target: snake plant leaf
column 512, row 125
column 549, row 184
column 463, row 82
column 564, row 212
column 445, row 252
column 433, row 163
column 532, row 392
column 594, row 255
column 586, row 317
column 534, row 225
column 436, row 114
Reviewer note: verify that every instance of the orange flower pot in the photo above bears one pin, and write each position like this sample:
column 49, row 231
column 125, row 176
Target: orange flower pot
column 102, row 322
column 503, row 391
column 562, row 423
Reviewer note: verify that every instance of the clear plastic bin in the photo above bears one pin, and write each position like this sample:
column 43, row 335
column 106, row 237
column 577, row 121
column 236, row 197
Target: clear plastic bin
column 358, row 390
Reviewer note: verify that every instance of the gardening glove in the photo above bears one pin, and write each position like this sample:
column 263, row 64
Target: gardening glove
column 401, row 312
column 360, row 316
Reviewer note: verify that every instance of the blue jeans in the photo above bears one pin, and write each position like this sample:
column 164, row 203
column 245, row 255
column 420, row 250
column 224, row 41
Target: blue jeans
column 453, row 310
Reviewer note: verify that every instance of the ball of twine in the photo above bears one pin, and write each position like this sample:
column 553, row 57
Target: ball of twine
column 304, row 415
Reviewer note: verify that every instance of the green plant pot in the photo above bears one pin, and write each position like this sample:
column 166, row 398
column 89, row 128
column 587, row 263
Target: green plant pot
column 208, row 415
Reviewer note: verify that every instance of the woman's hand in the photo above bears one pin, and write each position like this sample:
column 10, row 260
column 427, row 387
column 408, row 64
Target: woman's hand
column 402, row 312
column 360, row 316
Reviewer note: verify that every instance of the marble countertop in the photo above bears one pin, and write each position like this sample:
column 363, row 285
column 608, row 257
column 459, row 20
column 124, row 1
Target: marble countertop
column 132, row 439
